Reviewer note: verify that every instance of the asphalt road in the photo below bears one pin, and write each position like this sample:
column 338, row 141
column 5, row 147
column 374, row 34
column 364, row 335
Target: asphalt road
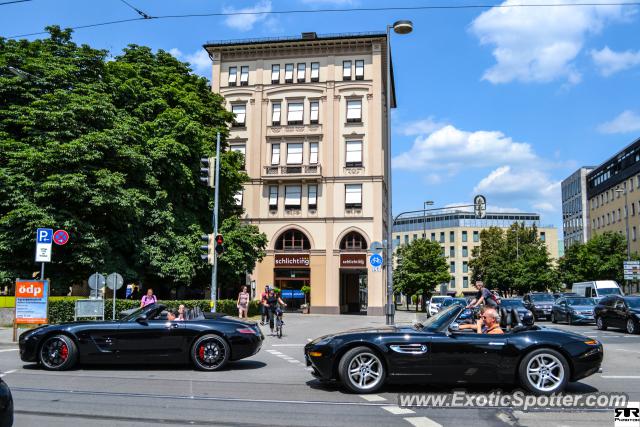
column 275, row 388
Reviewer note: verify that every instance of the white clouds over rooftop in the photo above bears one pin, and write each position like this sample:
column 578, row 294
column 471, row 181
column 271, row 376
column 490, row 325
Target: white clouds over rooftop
column 626, row 122
column 248, row 16
column 610, row 62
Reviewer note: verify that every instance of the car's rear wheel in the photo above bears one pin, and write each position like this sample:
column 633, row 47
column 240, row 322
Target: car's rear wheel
column 632, row 327
column 361, row 370
column 58, row 353
column 210, row 352
column 600, row 324
column 544, row 371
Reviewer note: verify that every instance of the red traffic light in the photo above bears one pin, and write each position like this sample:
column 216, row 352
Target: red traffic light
column 219, row 239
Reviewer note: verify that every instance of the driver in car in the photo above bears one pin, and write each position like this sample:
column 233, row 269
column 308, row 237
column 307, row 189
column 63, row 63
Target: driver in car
column 487, row 323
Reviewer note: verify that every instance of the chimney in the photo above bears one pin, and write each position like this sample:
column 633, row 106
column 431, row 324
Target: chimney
column 309, row 35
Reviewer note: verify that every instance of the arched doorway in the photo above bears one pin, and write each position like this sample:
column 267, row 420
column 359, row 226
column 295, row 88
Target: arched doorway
column 292, row 266
column 353, row 274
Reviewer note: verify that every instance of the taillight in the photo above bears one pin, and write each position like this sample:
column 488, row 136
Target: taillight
column 246, row 331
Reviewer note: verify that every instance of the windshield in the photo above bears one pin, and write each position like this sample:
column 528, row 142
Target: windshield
column 512, row 303
column 580, row 301
column 152, row 310
column 609, row 291
column 542, row 297
column 451, row 301
column 439, row 300
column 437, row 321
column 633, row 302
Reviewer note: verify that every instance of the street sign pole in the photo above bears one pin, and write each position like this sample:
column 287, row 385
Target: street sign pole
column 214, row 267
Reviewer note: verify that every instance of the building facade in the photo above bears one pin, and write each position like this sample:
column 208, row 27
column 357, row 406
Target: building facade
column 575, row 212
column 607, row 186
column 459, row 232
column 311, row 120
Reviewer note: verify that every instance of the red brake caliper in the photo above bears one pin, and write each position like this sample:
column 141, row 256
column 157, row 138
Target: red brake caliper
column 64, row 352
column 201, row 352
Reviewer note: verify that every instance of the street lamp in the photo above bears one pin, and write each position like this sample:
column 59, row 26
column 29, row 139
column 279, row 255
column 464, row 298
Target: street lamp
column 399, row 27
column 424, row 217
column 626, row 219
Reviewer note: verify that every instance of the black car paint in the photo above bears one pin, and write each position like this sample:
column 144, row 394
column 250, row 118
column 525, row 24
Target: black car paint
column 6, row 405
column 615, row 311
column 454, row 358
column 131, row 341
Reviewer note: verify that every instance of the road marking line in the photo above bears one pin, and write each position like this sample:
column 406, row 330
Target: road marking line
column 630, row 351
column 422, row 422
column 396, row 410
column 287, row 345
column 294, row 361
column 372, row 397
column 9, row 349
column 8, row 372
column 622, row 377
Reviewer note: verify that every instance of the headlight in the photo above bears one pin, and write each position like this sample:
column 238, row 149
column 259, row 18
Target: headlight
column 322, row 341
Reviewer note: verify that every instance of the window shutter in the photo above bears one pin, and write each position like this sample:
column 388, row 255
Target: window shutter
column 275, row 116
column 275, row 154
column 359, row 70
column 313, row 153
column 292, row 195
column 315, row 111
column 275, row 73
column 313, row 195
column 354, row 152
column 233, row 76
column 354, row 110
column 294, row 154
column 346, row 70
column 353, row 194
column 240, row 112
column 296, row 112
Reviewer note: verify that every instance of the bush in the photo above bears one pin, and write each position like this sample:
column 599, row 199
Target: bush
column 62, row 309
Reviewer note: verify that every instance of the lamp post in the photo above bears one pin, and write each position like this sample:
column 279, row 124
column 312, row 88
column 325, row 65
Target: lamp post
column 626, row 223
column 424, row 217
column 399, row 27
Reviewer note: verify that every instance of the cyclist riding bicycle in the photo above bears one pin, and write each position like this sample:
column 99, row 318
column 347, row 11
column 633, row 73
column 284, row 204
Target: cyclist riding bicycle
column 271, row 303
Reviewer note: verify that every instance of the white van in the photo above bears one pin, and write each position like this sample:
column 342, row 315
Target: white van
column 597, row 289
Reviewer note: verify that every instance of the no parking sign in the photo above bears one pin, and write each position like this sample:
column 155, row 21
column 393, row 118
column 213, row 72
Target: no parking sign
column 60, row 237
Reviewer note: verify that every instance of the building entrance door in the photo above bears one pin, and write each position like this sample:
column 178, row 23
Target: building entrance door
column 290, row 282
column 353, row 291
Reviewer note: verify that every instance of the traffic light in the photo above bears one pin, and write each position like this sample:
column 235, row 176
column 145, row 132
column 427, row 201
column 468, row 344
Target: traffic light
column 207, row 170
column 219, row 244
column 208, row 248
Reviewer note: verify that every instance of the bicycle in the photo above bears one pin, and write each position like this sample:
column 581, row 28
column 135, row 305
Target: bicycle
column 278, row 322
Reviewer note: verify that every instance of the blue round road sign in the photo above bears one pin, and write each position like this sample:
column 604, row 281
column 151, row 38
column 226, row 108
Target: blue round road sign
column 60, row 237
column 375, row 260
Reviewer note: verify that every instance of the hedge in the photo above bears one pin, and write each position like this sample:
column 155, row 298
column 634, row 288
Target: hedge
column 62, row 309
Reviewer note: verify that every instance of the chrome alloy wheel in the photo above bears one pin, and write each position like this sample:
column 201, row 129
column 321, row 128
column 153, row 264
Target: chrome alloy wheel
column 545, row 372
column 365, row 371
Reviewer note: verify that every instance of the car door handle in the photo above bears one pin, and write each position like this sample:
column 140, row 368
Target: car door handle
column 172, row 325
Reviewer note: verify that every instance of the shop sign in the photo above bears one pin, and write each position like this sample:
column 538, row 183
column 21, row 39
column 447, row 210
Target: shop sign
column 295, row 260
column 353, row 260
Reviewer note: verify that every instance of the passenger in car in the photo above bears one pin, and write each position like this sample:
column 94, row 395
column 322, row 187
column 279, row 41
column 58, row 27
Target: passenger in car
column 486, row 324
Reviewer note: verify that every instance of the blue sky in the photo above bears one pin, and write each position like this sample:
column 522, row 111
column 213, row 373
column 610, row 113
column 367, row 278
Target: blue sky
column 503, row 102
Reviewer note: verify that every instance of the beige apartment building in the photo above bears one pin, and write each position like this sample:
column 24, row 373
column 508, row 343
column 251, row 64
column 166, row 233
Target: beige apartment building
column 459, row 232
column 607, row 186
column 311, row 119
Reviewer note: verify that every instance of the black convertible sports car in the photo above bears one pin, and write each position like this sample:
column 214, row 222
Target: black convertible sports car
column 145, row 336
column 542, row 359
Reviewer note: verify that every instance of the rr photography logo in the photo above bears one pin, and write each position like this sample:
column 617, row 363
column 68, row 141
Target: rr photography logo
column 627, row 416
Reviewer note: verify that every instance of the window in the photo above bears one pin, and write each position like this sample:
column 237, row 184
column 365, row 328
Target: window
column 313, row 196
column 442, row 237
column 294, row 154
column 313, row 153
column 292, row 196
column 465, row 267
column 354, row 111
column 360, row 69
column 442, row 251
column 633, row 233
column 464, row 236
column 354, row 154
column 244, row 76
column 452, row 236
column 302, row 68
column 275, row 114
column 452, row 251
column 476, row 236
column 465, row 282
column 353, row 195
column 433, row 237
column 240, row 111
column 315, row 71
column 452, row 282
column 288, row 73
column 292, row 240
column 275, row 154
column 543, row 236
column 452, row 266
column 406, row 239
column 275, row 73
column 295, row 113
column 238, row 198
column 354, row 241
column 415, row 237
column 233, row 76
column 314, row 107
column 346, row 70
column 465, row 251
column 239, row 148
column 633, row 209
column 273, row 197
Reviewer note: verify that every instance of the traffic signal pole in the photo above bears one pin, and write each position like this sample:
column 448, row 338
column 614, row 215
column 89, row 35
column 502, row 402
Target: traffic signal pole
column 214, row 267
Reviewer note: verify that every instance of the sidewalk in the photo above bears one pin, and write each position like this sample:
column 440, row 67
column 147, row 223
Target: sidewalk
column 6, row 337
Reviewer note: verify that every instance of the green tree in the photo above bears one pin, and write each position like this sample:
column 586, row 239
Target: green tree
column 421, row 267
column 109, row 151
column 600, row 258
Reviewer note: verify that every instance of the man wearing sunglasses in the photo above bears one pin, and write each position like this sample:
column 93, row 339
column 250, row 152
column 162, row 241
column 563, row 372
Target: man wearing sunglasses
column 487, row 323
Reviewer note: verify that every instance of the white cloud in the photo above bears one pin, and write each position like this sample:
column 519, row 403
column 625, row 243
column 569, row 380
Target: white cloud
column 199, row 60
column 451, row 149
column 610, row 62
column 626, row 122
column 249, row 16
column 507, row 184
column 174, row 51
column 331, row 2
column 490, row 208
column 539, row 44
column 420, row 127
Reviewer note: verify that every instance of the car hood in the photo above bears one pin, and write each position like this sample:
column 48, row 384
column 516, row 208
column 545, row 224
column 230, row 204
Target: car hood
column 566, row 333
column 582, row 307
column 371, row 331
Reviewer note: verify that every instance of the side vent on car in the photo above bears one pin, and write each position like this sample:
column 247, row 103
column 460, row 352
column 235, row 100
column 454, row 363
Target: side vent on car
column 409, row 348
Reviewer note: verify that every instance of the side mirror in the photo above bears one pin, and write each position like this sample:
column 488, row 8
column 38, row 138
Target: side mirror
column 142, row 318
column 454, row 327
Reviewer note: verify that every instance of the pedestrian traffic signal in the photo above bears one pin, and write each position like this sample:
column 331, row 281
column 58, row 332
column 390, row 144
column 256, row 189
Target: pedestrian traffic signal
column 207, row 170
column 208, row 249
column 219, row 244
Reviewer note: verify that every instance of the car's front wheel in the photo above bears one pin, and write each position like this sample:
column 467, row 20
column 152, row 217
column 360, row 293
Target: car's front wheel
column 361, row 370
column 600, row 324
column 632, row 327
column 544, row 371
column 58, row 353
column 210, row 352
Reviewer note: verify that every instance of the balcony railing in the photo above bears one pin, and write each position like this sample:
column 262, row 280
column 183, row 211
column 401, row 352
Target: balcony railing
column 293, row 171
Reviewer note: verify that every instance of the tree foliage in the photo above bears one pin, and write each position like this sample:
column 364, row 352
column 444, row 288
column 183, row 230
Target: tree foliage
column 421, row 267
column 600, row 258
column 109, row 150
column 513, row 260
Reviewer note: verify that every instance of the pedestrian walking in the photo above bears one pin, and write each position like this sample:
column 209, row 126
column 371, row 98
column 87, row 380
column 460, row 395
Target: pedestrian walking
column 243, row 303
column 263, row 307
column 149, row 298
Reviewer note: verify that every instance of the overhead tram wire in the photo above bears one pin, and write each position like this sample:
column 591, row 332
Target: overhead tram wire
column 138, row 11
column 13, row 1
column 146, row 17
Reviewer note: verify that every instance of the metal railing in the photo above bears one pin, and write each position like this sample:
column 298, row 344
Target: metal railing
column 293, row 170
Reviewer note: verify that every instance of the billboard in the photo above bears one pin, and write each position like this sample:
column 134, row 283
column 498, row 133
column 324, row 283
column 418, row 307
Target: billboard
column 31, row 301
